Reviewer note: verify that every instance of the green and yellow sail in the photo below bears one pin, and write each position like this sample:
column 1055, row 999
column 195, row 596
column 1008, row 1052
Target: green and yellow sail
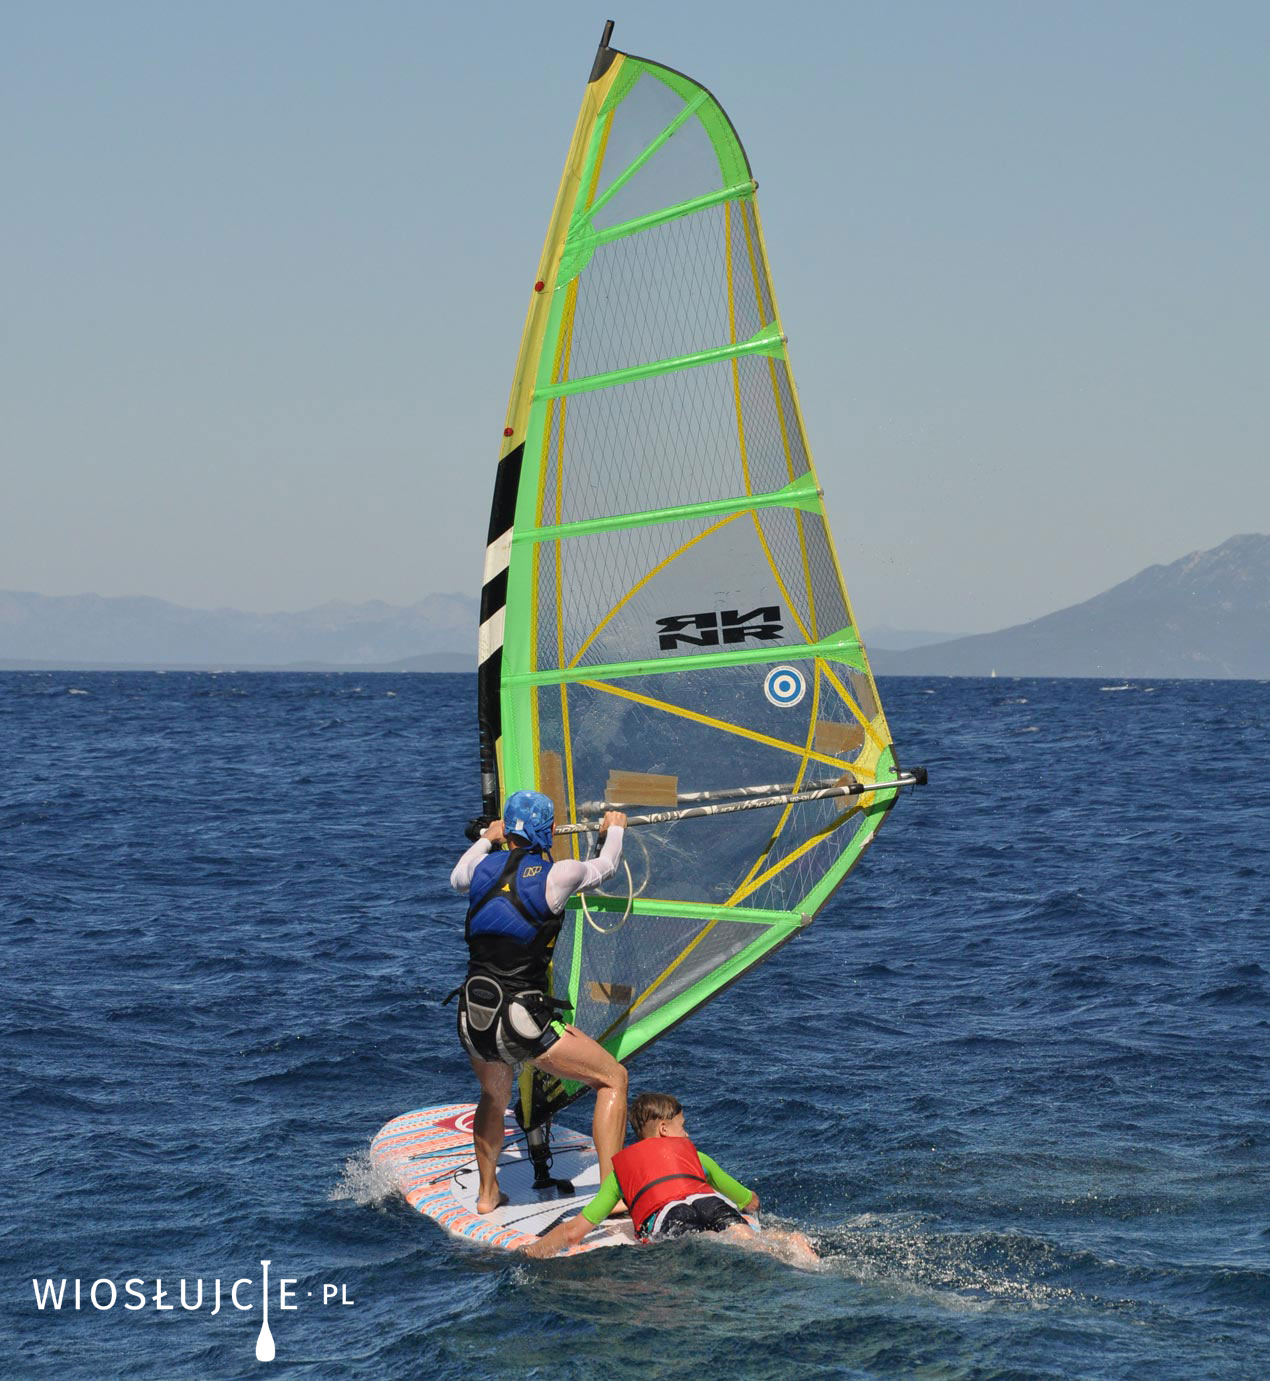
column 663, row 618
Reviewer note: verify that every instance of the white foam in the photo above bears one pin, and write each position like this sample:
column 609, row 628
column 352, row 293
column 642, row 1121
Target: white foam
column 364, row 1182
column 942, row 1266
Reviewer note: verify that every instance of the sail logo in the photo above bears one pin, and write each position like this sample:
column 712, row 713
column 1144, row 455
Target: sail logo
column 720, row 628
column 784, row 686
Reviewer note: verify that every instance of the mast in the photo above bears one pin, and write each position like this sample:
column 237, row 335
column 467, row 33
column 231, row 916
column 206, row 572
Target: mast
column 498, row 542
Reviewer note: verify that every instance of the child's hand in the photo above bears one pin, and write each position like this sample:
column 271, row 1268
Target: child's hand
column 493, row 832
column 562, row 1235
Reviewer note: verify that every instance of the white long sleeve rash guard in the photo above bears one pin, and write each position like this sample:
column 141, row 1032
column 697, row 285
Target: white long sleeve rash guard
column 565, row 877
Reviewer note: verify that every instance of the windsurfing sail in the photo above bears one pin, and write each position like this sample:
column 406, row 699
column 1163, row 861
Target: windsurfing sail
column 664, row 622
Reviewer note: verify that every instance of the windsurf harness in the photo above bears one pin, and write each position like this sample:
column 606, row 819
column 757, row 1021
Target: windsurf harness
column 502, row 1027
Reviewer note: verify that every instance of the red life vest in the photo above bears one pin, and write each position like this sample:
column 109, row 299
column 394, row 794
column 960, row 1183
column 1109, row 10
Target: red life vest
column 655, row 1172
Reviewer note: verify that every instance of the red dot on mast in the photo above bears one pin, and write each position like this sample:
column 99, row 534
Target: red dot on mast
column 539, row 286
column 507, row 431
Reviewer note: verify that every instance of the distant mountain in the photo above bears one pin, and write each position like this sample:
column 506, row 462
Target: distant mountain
column 883, row 638
column 436, row 634
column 1207, row 615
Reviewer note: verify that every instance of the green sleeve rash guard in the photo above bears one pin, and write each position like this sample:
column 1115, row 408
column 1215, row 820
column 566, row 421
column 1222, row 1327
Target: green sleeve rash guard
column 724, row 1182
column 606, row 1200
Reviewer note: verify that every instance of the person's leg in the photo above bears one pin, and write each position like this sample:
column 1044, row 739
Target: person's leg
column 577, row 1056
column 710, row 1215
column 717, row 1214
column 487, row 1127
column 793, row 1248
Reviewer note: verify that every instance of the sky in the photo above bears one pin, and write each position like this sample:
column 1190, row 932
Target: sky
column 266, row 269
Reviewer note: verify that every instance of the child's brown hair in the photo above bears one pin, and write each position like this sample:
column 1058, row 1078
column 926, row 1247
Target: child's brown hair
column 652, row 1107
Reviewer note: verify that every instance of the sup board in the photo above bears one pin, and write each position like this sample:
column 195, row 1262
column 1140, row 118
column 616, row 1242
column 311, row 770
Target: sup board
column 429, row 1155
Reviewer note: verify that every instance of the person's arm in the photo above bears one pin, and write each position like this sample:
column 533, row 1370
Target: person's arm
column 461, row 877
column 745, row 1199
column 571, row 1233
column 571, row 875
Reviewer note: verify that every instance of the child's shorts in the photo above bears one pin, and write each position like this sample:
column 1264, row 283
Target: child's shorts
column 697, row 1213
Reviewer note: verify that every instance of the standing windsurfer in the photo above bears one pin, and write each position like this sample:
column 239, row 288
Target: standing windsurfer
column 505, row 1013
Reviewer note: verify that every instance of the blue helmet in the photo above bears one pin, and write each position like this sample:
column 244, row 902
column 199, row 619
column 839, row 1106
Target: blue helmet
column 531, row 815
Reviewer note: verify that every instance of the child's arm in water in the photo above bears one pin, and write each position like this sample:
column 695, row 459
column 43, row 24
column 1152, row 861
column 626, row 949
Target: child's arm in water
column 571, row 1233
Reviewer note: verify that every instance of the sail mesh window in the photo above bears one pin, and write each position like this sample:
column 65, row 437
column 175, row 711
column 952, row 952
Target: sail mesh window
column 669, row 589
column 671, row 439
column 658, row 295
column 685, row 166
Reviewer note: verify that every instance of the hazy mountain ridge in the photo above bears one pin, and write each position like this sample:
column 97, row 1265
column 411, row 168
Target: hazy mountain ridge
column 884, row 638
column 95, row 630
column 1205, row 615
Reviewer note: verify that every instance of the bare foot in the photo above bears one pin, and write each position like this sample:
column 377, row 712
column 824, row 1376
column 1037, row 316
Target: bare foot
column 484, row 1205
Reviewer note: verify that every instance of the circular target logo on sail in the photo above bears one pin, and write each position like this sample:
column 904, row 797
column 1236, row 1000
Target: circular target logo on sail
column 784, row 686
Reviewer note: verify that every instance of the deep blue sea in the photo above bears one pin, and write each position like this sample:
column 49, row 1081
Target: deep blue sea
column 1015, row 1080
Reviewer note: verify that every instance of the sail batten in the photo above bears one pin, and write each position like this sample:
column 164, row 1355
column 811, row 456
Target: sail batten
column 672, row 213
column 843, row 648
column 799, row 493
column 767, row 340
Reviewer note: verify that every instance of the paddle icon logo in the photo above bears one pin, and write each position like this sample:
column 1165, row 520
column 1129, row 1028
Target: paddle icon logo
column 264, row 1340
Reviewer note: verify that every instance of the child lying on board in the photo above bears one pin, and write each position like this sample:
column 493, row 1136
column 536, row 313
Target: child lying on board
column 671, row 1188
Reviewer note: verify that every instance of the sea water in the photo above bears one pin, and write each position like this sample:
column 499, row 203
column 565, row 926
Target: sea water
column 1014, row 1081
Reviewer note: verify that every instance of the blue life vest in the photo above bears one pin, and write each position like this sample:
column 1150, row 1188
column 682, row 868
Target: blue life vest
column 510, row 928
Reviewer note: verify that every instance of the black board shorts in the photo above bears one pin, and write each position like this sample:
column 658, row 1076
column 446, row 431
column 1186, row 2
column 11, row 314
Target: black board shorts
column 701, row 1213
column 504, row 1027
